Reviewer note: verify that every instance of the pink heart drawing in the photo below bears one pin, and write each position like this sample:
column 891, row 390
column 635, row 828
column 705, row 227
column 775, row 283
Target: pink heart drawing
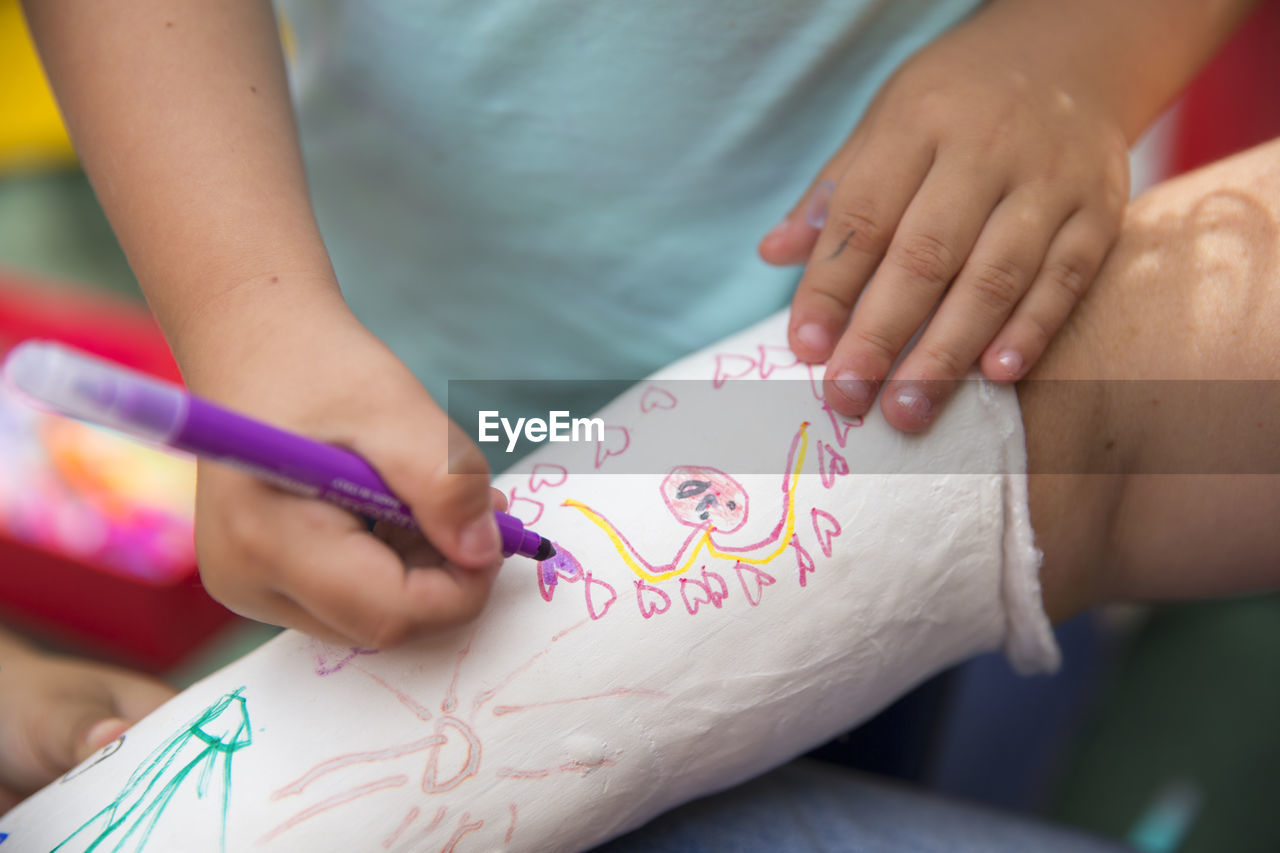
column 656, row 398
column 803, row 561
column 840, row 424
column 759, row 579
column 741, row 366
column 826, row 531
column 562, row 566
column 615, row 442
column 775, row 358
column 716, row 587
column 547, row 474
column 692, row 600
column 659, row 602
column 830, row 464
column 527, row 510
column 595, row 611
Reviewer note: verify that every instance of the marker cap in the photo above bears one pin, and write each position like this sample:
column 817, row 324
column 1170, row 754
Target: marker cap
column 91, row 389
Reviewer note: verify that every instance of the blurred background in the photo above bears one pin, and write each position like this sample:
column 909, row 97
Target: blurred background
column 1161, row 729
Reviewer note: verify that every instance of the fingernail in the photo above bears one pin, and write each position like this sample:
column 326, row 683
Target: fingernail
column 815, row 209
column 1012, row 362
column 814, row 337
column 913, row 400
column 479, row 539
column 860, row 392
column 104, row 732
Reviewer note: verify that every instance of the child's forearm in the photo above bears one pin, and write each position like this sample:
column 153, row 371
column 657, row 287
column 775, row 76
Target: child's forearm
column 1135, row 55
column 181, row 114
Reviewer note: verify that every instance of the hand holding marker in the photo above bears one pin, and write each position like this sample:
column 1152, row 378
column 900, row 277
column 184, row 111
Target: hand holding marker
column 89, row 389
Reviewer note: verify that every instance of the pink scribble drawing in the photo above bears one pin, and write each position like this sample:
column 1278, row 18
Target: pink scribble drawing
column 597, row 609
column 547, row 475
column 528, row 510
column 824, row 528
column 804, row 562
column 831, row 464
column 714, row 505
column 651, row 600
column 732, row 366
column 775, row 358
column 710, row 590
column 840, row 424
column 615, row 446
column 656, row 398
column 753, row 589
column 600, row 595
column 409, row 818
column 447, row 760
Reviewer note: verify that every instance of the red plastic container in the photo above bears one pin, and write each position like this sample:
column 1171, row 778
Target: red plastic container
column 152, row 624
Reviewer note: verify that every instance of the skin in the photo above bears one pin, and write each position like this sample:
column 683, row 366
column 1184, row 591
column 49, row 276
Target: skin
column 55, row 712
column 987, row 180
column 170, row 100
column 1167, row 490
column 1207, row 246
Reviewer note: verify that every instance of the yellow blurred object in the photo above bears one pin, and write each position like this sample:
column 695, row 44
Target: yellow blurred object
column 31, row 131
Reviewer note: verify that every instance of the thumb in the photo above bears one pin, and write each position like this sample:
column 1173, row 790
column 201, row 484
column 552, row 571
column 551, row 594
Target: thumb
column 448, row 491
column 98, row 734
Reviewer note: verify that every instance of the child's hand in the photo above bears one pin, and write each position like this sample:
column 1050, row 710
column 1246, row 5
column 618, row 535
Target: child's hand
column 982, row 178
column 56, row 712
column 310, row 367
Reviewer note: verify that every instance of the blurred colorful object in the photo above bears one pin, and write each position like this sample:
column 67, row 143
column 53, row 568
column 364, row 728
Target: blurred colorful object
column 83, row 492
column 96, row 530
column 31, row 131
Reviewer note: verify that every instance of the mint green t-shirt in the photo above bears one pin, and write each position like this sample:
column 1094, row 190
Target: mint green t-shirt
column 575, row 188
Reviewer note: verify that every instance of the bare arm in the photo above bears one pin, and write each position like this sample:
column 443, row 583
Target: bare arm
column 1156, row 489
column 181, row 113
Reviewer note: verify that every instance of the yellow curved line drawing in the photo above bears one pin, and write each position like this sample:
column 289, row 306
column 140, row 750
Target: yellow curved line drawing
column 638, row 564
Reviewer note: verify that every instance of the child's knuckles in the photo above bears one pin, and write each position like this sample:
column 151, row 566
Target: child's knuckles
column 925, row 258
column 997, row 284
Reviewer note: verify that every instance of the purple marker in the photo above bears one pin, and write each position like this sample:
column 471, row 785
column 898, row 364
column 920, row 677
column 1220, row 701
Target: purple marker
column 91, row 389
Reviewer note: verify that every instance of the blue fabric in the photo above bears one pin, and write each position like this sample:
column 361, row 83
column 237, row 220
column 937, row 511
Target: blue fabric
column 558, row 189
column 816, row 808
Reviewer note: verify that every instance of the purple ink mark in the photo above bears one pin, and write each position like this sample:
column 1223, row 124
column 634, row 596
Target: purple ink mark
column 561, row 565
column 330, row 659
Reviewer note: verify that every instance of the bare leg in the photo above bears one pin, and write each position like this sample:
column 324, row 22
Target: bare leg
column 1191, row 292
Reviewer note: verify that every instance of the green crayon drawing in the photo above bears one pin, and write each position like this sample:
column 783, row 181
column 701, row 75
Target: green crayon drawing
column 201, row 752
